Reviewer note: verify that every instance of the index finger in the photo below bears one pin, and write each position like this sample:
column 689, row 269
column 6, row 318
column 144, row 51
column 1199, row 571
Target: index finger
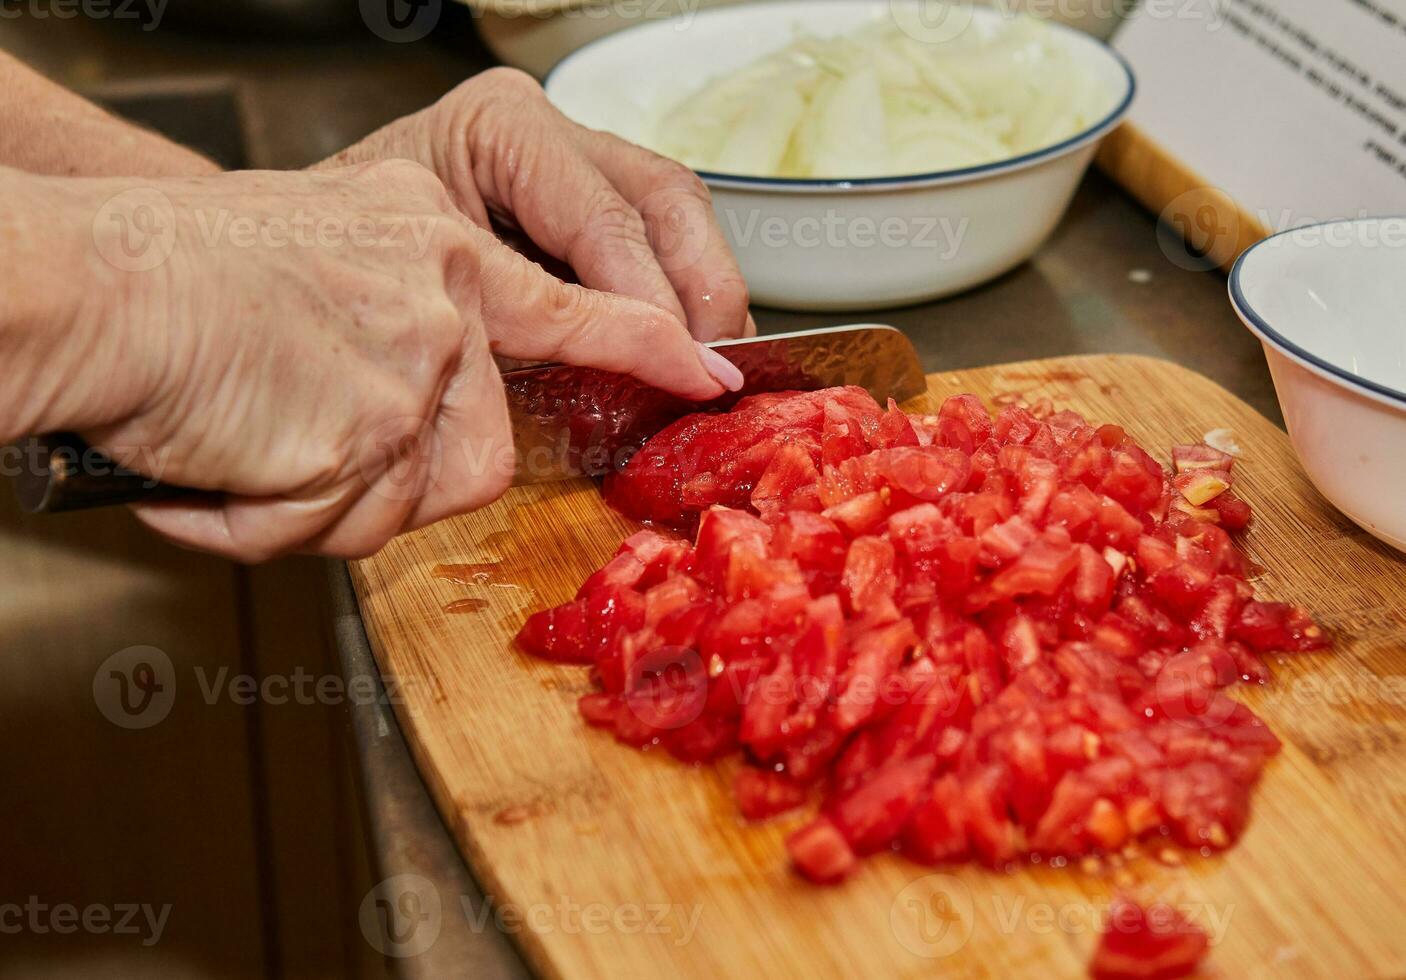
column 528, row 313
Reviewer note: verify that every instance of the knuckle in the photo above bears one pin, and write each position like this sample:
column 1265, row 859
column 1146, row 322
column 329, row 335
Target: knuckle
column 325, row 464
column 404, row 407
column 730, row 292
column 444, row 329
column 409, row 176
column 574, row 317
column 457, row 244
column 493, row 473
column 610, row 218
column 511, row 81
column 461, row 260
column 394, row 170
column 496, row 482
column 561, row 303
column 671, row 173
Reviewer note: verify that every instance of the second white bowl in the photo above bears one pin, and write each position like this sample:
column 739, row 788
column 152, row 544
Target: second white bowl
column 1328, row 302
column 841, row 244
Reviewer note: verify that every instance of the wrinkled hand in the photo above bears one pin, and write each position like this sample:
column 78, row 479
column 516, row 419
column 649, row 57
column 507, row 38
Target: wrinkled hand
column 624, row 219
column 333, row 378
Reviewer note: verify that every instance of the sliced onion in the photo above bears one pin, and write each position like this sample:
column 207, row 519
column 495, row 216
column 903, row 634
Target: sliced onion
column 880, row 103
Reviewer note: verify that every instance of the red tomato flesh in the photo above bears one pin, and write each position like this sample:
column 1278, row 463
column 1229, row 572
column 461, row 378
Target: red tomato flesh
column 1153, row 943
column 969, row 638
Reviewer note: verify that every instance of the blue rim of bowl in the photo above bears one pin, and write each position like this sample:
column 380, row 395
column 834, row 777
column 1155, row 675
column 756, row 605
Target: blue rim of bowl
column 1260, row 325
column 1089, row 134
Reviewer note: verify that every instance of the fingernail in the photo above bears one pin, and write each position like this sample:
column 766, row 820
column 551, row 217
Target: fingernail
column 720, row 368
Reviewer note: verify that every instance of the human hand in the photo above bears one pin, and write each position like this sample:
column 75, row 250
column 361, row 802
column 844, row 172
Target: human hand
column 624, row 219
column 318, row 347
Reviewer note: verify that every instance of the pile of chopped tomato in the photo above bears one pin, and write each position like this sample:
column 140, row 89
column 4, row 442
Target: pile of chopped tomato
column 970, row 638
column 1153, row 943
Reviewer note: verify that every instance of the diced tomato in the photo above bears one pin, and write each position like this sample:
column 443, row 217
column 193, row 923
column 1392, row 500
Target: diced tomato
column 790, row 469
column 988, row 822
column 807, row 759
column 738, row 632
column 869, row 580
column 923, row 472
column 669, row 596
column 719, row 532
column 1014, row 426
column 1154, row 943
column 1234, row 512
column 660, row 554
column 703, row 739
column 842, row 437
column 1009, row 539
column 877, row 654
column 821, row 853
column 1042, row 568
column 557, row 634
column 895, row 429
column 665, row 688
column 1094, row 579
column 967, row 411
column 859, row 514
column 972, row 639
column 871, row 815
column 1134, row 479
column 598, row 709
column 1278, row 626
column 1120, row 528
column 936, row 830
column 762, row 793
column 1155, row 555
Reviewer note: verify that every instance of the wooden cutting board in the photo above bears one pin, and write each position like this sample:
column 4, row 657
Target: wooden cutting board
column 611, row 863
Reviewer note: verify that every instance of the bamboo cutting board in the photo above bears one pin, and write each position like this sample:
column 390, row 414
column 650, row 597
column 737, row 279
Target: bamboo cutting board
column 606, row 862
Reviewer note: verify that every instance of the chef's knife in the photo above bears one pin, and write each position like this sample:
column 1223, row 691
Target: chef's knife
column 567, row 421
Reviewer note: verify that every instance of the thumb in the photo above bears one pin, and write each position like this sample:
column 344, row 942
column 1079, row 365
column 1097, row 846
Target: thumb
column 530, row 314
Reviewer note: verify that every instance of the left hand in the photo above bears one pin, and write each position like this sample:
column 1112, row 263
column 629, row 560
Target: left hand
column 626, row 220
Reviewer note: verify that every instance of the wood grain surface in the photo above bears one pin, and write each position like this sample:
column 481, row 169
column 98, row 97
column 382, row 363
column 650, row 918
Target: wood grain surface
column 606, row 862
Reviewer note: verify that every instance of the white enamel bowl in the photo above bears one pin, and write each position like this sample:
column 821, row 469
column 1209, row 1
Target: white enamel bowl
column 842, row 244
column 1328, row 302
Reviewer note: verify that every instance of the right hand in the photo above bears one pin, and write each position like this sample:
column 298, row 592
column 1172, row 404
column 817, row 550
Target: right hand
column 340, row 388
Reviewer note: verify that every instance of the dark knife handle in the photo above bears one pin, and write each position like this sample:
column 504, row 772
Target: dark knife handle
column 60, row 472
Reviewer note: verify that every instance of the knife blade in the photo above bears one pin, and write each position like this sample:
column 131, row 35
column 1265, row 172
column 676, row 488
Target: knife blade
column 567, row 421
